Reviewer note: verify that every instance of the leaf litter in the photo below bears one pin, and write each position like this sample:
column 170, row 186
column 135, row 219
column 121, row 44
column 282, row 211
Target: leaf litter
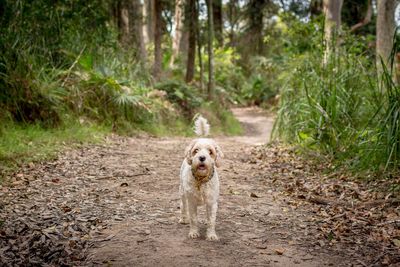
column 274, row 201
column 357, row 217
column 51, row 213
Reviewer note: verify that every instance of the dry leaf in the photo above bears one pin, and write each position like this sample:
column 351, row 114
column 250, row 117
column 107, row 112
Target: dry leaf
column 279, row 251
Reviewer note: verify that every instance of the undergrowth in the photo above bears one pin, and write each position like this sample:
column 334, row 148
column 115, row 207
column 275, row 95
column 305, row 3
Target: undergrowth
column 22, row 144
column 343, row 111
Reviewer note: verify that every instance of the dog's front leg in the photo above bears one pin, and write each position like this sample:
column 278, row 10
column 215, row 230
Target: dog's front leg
column 194, row 229
column 211, row 209
column 184, row 210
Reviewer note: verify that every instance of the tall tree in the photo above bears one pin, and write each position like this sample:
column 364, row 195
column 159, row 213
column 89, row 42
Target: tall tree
column 157, row 39
column 233, row 18
column 178, row 28
column 210, row 86
column 255, row 26
column 218, row 21
column 121, row 11
column 199, row 56
column 136, row 28
column 385, row 26
column 192, row 41
column 332, row 11
column 148, row 20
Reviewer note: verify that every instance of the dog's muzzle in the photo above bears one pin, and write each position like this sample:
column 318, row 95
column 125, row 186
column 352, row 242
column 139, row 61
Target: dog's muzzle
column 200, row 179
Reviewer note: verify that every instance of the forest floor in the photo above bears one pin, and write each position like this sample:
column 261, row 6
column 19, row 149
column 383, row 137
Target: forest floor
column 117, row 204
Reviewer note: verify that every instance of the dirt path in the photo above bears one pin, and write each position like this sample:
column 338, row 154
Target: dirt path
column 252, row 230
column 117, row 205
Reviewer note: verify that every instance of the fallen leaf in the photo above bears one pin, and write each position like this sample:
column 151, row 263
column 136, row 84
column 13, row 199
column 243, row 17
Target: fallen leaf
column 233, row 192
column 253, row 195
column 279, row 251
column 66, row 209
column 261, row 246
column 396, row 242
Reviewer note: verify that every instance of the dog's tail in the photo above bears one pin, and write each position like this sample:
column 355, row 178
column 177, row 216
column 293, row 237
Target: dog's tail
column 201, row 126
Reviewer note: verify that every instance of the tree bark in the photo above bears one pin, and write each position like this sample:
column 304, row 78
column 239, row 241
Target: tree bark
column 233, row 19
column 218, row 22
column 199, row 45
column 123, row 22
column 148, row 20
column 178, row 28
column 136, row 27
column 157, row 39
column 254, row 34
column 190, row 64
column 385, row 26
column 210, row 86
column 332, row 11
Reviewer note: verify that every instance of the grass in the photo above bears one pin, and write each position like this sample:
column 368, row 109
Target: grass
column 343, row 111
column 22, row 144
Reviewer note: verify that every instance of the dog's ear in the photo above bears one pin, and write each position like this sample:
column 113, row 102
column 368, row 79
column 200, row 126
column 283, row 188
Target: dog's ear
column 220, row 155
column 188, row 152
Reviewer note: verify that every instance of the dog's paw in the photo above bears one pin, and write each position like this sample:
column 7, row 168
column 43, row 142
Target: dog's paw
column 212, row 236
column 194, row 234
column 183, row 221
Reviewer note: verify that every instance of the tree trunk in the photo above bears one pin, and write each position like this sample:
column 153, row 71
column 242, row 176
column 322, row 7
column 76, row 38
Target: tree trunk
column 385, row 26
column 123, row 22
column 218, row 22
column 254, row 34
column 184, row 44
column 233, row 19
column 157, row 39
column 148, row 20
column 136, row 27
column 199, row 45
column 210, row 86
column 192, row 41
column 332, row 11
column 178, row 28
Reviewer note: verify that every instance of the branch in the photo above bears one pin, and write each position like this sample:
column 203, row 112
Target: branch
column 365, row 21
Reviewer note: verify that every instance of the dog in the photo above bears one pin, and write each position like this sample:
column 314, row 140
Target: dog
column 199, row 182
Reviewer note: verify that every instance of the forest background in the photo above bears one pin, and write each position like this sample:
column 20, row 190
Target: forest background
column 73, row 71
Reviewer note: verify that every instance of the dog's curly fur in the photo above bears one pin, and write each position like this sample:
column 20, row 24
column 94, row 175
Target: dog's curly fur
column 199, row 182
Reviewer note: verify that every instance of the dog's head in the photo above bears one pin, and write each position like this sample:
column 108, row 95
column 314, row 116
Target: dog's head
column 203, row 154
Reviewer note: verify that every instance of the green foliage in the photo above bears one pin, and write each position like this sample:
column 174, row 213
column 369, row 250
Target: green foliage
column 36, row 36
column 187, row 97
column 340, row 110
column 21, row 144
column 261, row 85
column 107, row 88
column 382, row 147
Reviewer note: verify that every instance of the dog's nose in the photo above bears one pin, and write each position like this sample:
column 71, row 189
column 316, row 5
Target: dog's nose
column 202, row 158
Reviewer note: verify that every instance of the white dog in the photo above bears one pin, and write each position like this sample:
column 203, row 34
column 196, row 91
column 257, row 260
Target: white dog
column 199, row 182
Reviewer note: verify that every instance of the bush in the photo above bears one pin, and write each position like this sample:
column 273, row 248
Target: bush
column 340, row 110
column 184, row 96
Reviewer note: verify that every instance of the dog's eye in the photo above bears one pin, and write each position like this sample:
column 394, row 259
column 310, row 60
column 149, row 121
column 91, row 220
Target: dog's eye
column 210, row 151
column 195, row 151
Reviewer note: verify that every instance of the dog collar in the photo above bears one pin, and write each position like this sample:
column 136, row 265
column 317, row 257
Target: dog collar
column 202, row 180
